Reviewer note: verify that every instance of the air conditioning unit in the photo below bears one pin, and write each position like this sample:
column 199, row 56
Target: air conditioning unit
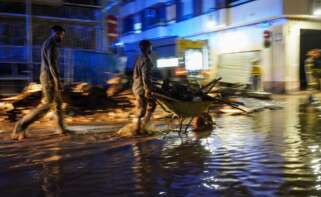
column 41, row 2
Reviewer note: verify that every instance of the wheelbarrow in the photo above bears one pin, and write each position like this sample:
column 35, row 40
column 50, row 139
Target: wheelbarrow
column 182, row 109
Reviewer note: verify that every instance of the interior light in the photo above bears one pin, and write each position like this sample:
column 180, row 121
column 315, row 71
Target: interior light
column 193, row 60
column 167, row 62
column 119, row 44
column 211, row 24
column 137, row 26
column 317, row 12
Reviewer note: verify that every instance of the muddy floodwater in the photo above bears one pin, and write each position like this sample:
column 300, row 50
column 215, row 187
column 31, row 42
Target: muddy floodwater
column 269, row 153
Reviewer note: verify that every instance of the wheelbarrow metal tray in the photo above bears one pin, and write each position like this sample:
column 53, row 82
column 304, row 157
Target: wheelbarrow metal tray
column 185, row 108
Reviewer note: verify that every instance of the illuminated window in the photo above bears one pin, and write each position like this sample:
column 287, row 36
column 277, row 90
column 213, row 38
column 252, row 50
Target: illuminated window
column 171, row 12
column 317, row 7
column 193, row 60
column 137, row 23
column 167, row 62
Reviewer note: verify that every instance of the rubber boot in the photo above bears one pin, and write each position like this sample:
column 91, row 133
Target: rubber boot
column 147, row 119
column 137, row 125
column 18, row 133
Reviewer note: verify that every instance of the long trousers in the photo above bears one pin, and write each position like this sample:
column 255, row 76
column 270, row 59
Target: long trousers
column 50, row 100
column 144, row 106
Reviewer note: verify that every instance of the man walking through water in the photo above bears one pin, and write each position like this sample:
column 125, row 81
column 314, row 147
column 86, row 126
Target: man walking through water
column 142, row 87
column 51, row 86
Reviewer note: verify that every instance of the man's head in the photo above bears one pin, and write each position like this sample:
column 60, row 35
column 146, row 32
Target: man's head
column 58, row 32
column 145, row 46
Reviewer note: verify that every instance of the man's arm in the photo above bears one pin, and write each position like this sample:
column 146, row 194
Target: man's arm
column 147, row 77
column 53, row 64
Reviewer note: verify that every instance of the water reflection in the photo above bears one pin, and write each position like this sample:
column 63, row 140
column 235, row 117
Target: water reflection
column 271, row 153
column 51, row 174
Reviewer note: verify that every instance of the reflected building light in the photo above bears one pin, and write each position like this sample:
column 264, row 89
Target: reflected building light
column 316, row 169
column 211, row 183
column 315, row 161
column 313, row 148
column 211, row 186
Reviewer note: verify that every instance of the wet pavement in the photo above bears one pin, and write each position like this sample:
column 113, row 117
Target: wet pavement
column 268, row 153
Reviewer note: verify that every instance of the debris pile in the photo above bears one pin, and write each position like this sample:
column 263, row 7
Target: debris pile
column 85, row 99
column 78, row 99
column 185, row 92
column 85, row 96
column 117, row 84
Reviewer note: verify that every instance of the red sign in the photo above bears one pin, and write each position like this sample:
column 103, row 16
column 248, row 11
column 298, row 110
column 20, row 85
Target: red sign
column 112, row 28
column 267, row 38
column 267, row 34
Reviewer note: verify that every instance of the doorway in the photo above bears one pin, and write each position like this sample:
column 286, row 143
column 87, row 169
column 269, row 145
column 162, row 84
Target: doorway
column 309, row 39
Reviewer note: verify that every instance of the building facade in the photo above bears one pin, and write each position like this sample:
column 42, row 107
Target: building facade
column 279, row 33
column 25, row 24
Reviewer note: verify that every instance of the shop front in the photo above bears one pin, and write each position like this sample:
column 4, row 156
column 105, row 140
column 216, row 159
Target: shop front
column 190, row 59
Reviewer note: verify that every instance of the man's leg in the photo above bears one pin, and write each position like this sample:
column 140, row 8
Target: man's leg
column 259, row 83
column 21, row 126
column 255, row 82
column 151, row 106
column 61, row 127
column 140, row 112
column 46, row 102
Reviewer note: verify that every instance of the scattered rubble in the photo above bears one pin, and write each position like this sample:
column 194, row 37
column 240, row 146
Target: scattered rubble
column 85, row 103
column 78, row 99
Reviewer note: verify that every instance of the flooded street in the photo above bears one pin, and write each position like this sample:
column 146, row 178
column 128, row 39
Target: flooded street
column 268, row 153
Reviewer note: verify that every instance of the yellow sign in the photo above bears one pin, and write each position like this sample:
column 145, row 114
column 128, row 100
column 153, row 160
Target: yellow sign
column 182, row 44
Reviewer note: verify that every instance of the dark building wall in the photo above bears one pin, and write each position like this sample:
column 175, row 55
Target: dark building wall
column 80, row 23
column 12, row 31
column 82, row 26
column 78, row 36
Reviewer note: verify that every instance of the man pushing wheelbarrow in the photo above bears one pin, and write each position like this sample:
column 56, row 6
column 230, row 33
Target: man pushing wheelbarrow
column 142, row 90
column 182, row 100
column 142, row 87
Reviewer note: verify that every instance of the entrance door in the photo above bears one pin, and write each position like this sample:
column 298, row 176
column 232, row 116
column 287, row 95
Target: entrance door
column 310, row 39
